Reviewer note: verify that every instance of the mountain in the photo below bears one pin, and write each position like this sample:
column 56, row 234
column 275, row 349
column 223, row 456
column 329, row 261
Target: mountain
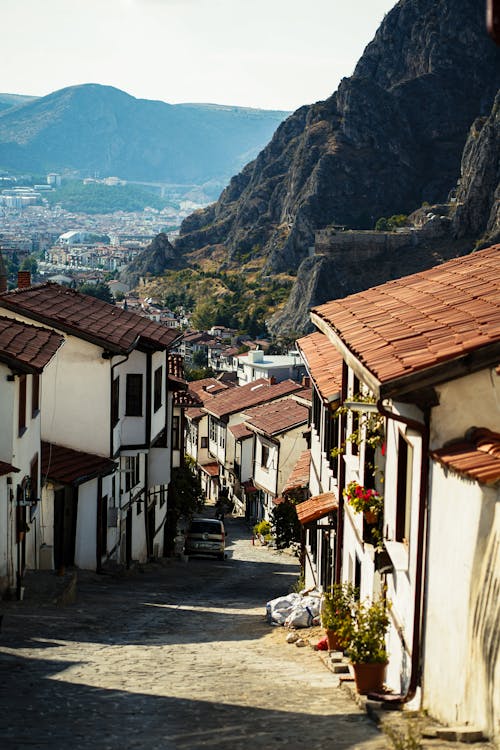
column 153, row 261
column 92, row 128
column 9, row 101
column 389, row 138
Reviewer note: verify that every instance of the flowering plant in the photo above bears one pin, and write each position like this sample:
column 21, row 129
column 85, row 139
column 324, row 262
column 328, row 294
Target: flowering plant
column 362, row 499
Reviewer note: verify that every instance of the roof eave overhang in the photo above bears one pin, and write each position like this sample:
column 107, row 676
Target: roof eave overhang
column 452, row 369
column 362, row 372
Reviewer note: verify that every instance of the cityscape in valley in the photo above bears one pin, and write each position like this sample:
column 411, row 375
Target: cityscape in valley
column 276, row 340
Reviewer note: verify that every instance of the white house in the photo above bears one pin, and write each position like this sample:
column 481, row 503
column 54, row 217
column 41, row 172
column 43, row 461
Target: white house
column 106, row 393
column 279, row 428
column 257, row 364
column 324, row 367
column 25, row 352
column 421, row 358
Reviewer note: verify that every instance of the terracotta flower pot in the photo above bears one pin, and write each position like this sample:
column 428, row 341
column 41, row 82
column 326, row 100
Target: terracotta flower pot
column 369, row 678
column 334, row 642
column 371, row 516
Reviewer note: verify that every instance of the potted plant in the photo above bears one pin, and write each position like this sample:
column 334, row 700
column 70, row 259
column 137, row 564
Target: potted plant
column 364, row 500
column 336, row 614
column 367, row 650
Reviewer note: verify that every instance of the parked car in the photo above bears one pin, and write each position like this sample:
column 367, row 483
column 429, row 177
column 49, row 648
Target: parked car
column 205, row 536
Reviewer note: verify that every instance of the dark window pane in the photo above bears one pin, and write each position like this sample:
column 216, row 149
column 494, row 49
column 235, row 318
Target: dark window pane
column 133, row 406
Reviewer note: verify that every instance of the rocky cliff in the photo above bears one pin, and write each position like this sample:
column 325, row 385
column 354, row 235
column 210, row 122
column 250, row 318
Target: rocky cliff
column 388, row 139
column 153, row 261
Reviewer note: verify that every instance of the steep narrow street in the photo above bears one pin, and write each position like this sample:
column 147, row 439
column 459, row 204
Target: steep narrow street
column 178, row 656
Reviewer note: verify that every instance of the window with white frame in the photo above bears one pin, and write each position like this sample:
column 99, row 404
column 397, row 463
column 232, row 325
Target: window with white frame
column 265, row 456
column 403, row 490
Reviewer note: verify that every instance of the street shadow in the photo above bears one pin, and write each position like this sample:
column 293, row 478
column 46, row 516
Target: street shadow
column 39, row 710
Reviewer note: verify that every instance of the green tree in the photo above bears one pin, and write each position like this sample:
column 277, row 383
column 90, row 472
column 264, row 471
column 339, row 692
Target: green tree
column 100, row 290
column 199, row 358
column 286, row 526
column 185, row 497
column 29, row 264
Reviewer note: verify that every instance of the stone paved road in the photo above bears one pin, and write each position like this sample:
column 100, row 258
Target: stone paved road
column 176, row 658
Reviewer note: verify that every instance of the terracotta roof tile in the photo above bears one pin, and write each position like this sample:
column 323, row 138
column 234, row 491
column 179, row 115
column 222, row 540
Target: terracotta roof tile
column 240, row 431
column 26, row 347
column 299, row 476
column 316, row 507
column 477, row 456
column 252, row 394
column 186, row 399
column 277, row 416
column 212, row 469
column 87, row 317
column 67, row 466
column 324, row 364
column 195, row 413
column 421, row 320
column 207, row 388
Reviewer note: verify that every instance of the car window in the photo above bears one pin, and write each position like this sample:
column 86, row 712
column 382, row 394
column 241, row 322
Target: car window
column 205, row 527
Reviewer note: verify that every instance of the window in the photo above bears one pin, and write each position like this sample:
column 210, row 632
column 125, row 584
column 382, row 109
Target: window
column 115, row 400
column 158, row 383
column 213, row 431
column 403, row 489
column 222, row 437
column 35, row 394
column 175, row 433
column 204, row 442
column 22, row 404
column 131, row 467
column 316, row 411
column 264, row 456
column 133, row 406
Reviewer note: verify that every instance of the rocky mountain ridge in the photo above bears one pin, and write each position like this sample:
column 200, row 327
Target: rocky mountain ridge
column 389, row 138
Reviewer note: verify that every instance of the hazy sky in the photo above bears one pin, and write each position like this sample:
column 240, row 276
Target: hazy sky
column 275, row 54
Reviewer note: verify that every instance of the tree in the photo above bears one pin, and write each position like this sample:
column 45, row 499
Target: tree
column 199, row 358
column 185, row 497
column 100, row 290
column 29, row 264
column 286, row 525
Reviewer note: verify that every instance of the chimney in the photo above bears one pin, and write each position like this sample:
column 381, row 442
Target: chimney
column 23, row 279
column 306, row 381
column 272, row 380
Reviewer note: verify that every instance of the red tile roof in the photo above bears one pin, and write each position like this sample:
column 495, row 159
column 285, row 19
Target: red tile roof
column 324, row 365
column 212, row 469
column 299, row 476
column 277, row 416
column 207, row 387
column 194, row 413
column 26, row 347
column 240, row 431
column 477, row 456
column 67, row 466
column 108, row 326
column 316, row 507
column 421, row 321
column 243, row 397
column 6, row 468
column 186, row 399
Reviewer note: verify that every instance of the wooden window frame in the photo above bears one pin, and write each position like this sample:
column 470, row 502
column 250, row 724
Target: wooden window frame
column 115, row 401
column 35, row 394
column 403, row 490
column 134, row 394
column 157, row 389
column 21, row 416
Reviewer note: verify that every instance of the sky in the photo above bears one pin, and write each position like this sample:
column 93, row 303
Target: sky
column 271, row 54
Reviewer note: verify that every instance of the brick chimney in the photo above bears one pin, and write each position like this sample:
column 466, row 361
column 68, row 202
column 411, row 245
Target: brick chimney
column 23, row 279
column 306, row 381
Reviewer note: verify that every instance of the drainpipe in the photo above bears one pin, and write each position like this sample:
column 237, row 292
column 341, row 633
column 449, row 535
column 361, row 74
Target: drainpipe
column 109, row 355
column 340, row 483
column 423, row 430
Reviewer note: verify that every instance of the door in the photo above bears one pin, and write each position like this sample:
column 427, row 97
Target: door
column 65, row 515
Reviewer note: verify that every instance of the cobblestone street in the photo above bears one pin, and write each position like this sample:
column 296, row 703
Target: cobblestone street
column 179, row 656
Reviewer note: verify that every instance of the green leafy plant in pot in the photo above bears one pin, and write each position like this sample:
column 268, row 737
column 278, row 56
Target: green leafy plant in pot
column 336, row 614
column 367, row 650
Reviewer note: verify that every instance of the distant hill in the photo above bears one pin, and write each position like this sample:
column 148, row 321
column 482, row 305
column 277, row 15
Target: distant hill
column 8, row 101
column 92, row 128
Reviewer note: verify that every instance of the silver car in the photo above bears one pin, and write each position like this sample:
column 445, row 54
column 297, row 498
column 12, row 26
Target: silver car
column 205, row 536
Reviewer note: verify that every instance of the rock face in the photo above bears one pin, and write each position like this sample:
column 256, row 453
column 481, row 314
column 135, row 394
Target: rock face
column 390, row 138
column 478, row 191
column 153, row 261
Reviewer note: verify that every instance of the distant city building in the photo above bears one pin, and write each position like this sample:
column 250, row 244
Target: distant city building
column 54, row 179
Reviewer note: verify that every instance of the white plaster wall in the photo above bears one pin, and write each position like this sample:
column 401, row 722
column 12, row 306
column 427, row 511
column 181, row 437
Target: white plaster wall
column 461, row 657
column 355, row 548
column 8, row 415
column 139, row 545
column 191, row 438
column 159, row 466
column 246, row 458
column 75, row 400
column 5, row 523
column 292, row 445
column 130, row 430
column 266, row 478
column 478, row 397
column 159, row 359
column 86, row 527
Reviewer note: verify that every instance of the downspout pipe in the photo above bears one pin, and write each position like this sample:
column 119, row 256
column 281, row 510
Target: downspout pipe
column 423, row 429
